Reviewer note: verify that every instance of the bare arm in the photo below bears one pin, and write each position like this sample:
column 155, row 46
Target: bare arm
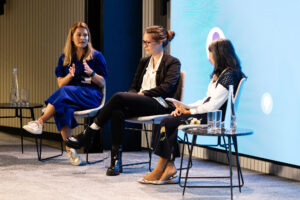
column 97, row 79
column 62, row 81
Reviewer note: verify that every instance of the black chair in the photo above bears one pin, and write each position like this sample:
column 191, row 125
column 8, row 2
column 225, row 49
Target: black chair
column 153, row 120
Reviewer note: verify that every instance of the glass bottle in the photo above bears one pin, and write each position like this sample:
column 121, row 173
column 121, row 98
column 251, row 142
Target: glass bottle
column 230, row 117
column 14, row 90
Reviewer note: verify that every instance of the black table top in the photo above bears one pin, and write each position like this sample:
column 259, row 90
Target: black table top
column 223, row 132
column 11, row 106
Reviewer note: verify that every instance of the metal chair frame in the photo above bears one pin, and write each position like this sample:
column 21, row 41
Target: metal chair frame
column 153, row 120
column 87, row 115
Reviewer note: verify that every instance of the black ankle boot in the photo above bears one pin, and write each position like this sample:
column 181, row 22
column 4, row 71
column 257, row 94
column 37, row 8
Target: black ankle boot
column 115, row 162
column 85, row 139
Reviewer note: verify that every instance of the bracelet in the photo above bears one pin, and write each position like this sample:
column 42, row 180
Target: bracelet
column 93, row 74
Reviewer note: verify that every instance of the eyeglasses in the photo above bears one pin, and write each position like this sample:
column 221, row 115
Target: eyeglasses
column 147, row 42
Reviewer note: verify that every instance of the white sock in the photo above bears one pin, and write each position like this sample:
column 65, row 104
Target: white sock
column 94, row 126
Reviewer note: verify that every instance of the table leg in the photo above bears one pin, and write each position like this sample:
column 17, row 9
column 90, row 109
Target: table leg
column 21, row 127
column 32, row 113
column 189, row 161
column 181, row 161
column 230, row 165
column 239, row 170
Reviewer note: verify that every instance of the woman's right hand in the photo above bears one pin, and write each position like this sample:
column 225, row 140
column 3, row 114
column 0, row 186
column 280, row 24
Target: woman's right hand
column 176, row 113
column 179, row 110
column 72, row 70
column 62, row 81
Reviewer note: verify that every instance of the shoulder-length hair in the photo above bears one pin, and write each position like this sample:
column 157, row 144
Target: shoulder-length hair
column 224, row 56
column 70, row 48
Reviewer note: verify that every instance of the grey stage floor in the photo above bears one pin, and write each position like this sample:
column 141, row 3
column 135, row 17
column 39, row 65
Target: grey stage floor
column 24, row 177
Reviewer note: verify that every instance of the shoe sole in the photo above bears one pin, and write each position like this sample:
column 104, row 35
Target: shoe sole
column 112, row 173
column 31, row 131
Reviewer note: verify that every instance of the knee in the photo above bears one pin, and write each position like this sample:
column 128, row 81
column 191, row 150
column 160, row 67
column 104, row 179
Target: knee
column 119, row 97
column 166, row 120
column 170, row 123
column 63, row 90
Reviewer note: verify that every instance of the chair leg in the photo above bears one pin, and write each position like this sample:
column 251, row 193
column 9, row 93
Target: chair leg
column 87, row 156
column 39, row 144
column 148, row 146
column 87, row 122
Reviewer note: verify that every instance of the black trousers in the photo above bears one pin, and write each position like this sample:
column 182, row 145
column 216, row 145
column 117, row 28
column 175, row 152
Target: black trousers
column 124, row 105
column 165, row 142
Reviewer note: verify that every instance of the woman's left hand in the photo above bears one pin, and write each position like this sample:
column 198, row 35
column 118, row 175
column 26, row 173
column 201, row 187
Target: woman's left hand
column 181, row 109
column 87, row 68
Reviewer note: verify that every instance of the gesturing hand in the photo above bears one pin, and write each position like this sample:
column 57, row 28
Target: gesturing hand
column 72, row 70
column 87, row 68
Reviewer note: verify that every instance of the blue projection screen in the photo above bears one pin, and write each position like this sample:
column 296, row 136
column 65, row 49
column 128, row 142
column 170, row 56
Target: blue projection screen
column 265, row 35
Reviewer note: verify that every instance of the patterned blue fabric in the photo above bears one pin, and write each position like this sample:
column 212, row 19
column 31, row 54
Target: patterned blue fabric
column 76, row 95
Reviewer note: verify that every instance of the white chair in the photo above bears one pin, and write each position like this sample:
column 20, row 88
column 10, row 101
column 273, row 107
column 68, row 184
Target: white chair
column 88, row 115
column 154, row 120
column 234, row 139
column 238, row 93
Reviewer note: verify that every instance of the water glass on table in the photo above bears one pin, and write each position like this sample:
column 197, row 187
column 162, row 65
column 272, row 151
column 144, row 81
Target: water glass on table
column 214, row 121
column 25, row 97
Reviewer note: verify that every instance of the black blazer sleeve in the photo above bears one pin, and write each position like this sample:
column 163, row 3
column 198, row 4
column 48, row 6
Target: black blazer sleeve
column 167, row 78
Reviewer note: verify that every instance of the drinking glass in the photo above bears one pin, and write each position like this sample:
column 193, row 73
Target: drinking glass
column 214, row 120
column 25, row 97
column 218, row 120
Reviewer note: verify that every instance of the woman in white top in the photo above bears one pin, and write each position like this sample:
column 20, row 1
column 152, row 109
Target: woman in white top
column 156, row 78
column 227, row 71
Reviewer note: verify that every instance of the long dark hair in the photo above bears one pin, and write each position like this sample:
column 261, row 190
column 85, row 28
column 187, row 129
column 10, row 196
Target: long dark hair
column 224, row 56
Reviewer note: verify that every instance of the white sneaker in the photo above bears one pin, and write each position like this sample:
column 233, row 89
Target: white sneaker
column 34, row 127
column 74, row 158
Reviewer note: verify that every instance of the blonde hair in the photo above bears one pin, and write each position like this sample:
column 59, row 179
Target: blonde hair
column 70, row 48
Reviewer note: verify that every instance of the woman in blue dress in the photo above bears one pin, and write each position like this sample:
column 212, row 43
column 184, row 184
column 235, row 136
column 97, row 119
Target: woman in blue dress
column 80, row 72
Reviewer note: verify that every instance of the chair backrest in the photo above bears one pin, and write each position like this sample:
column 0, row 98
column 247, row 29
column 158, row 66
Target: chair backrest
column 238, row 93
column 180, row 87
column 92, row 112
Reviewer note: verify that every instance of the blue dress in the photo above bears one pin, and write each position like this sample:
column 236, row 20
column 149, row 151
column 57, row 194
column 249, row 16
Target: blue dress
column 80, row 93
